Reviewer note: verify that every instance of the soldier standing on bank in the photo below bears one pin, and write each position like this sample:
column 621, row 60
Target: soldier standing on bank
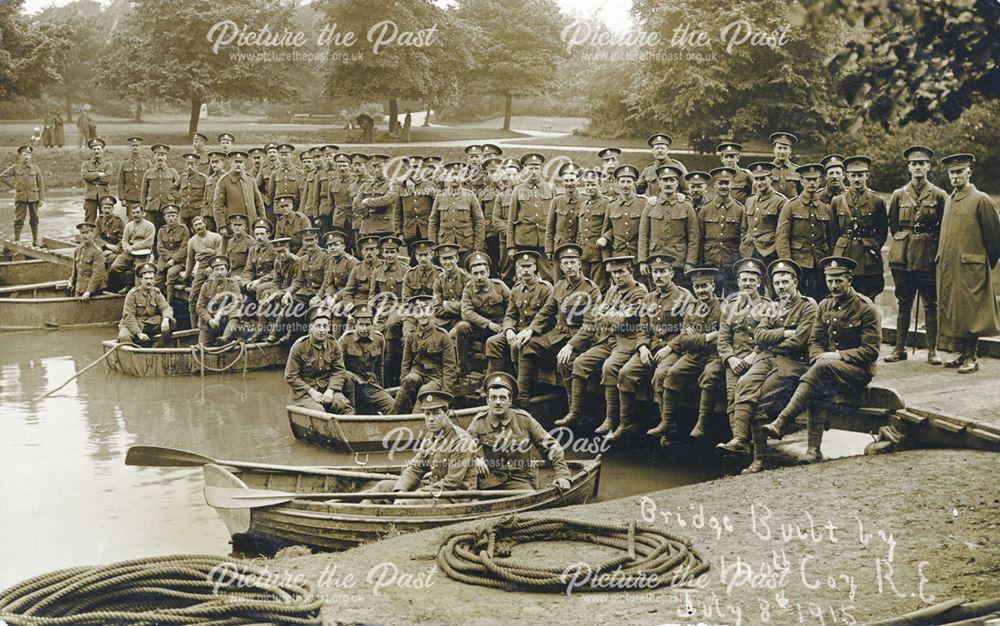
column 508, row 177
column 340, row 197
column 621, row 225
column 915, row 213
column 131, row 172
column 862, row 226
column 217, row 164
column 456, row 216
column 309, row 203
column 29, row 193
column 564, row 212
column 198, row 142
column 697, row 183
column 322, row 190
column 833, row 173
column 289, row 222
column 415, row 201
column 226, row 141
column 96, row 173
column 590, row 227
column 158, row 184
column 785, row 180
column 669, row 225
column 807, row 231
column 719, row 224
column 742, row 183
column 610, row 161
column 760, row 216
column 191, row 189
column 375, row 201
column 528, row 215
column 285, row 178
column 648, row 182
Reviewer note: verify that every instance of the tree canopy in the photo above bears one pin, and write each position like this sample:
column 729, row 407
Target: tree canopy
column 27, row 53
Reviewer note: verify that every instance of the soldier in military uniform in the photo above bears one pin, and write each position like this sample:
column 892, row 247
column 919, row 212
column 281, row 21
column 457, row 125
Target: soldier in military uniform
column 375, row 201
column 833, row 174
column 484, row 302
column 456, row 216
column 131, row 172
column 202, row 247
column 289, row 222
column 340, row 198
column 528, row 212
column 216, row 170
column 843, row 349
column 29, row 193
column 429, row 358
column 505, row 438
column 807, row 231
column 271, row 292
column 760, row 215
column 237, row 245
column 220, row 305
column 384, row 296
column 325, row 174
column 861, row 224
column 310, row 273
column 449, row 286
column 781, row 341
column 257, row 270
column 527, row 297
column 741, row 185
column 338, row 269
column 590, row 227
column 308, row 202
column 315, row 369
column 138, row 234
column 419, row 279
column 198, row 141
column 226, row 141
column 669, row 225
column 621, row 226
column 171, row 249
column 109, row 228
column 564, row 213
column 697, row 183
column 256, row 162
column 158, row 184
column 610, row 161
column 785, row 179
column 285, row 179
column 719, row 233
column 363, row 347
column 191, row 189
column 96, row 173
column 415, row 200
column 915, row 213
column 606, row 341
column 508, row 177
column 359, row 282
column 89, row 276
column 146, row 314
column 648, row 182
column 236, row 193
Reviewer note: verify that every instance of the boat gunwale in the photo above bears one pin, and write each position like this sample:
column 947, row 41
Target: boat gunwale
column 142, row 350
column 331, row 417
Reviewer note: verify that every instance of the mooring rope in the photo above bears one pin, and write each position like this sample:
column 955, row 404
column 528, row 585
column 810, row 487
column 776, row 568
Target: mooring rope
column 181, row 589
column 107, row 354
column 199, row 351
column 653, row 557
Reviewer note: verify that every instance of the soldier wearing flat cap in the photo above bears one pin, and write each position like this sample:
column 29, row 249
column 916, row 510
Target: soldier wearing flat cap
column 238, row 244
column 969, row 249
column 220, row 305
column 719, row 233
column 760, row 215
column 526, row 299
column 456, row 216
column 558, row 319
column 339, row 265
column 484, row 302
column 785, row 179
column 191, row 189
column 236, row 193
column 669, row 225
column 528, row 215
column 741, row 185
column 915, row 213
column 781, row 345
column 833, row 177
column 158, row 184
column 29, row 193
column 429, row 358
column 505, row 437
column 590, row 226
column 131, row 172
column 843, row 350
column 621, row 225
column 363, row 347
column 861, row 222
column 97, row 172
column 605, row 343
column 89, row 276
column 146, row 314
column 285, row 178
column 171, row 248
column 306, row 289
column 660, row 321
column 564, row 212
column 807, row 231
column 648, row 182
column 315, row 369
column 359, row 282
column 449, row 286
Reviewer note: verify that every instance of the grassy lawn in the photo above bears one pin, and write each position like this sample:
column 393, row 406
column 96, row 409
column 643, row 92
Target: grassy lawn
column 529, row 122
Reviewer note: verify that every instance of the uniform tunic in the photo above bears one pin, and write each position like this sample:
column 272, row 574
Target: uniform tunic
column 130, row 175
column 284, row 181
column 445, row 461
column 806, row 231
column 448, row 289
column 524, row 304
column 742, row 186
column 378, row 216
column 237, row 248
column 141, row 309
column 260, row 261
column 171, row 243
column 760, row 224
column 649, row 180
column 191, row 194
column 158, row 185
column 363, row 356
column 787, row 181
column 850, row 326
column 219, row 296
column 309, row 203
column 27, row 182
column 562, row 314
column 359, row 282
column 528, row 214
column 506, row 443
column 338, row 272
column 314, row 366
column 563, row 221
column 457, row 218
column 97, row 174
column 110, row 229
column 341, row 194
column 621, row 226
column 719, row 226
column 483, row 306
column 413, row 209
column 915, row 217
column 89, row 273
column 700, row 319
column 862, row 226
column 236, row 195
column 419, row 281
column 669, row 227
column 310, row 272
column 430, row 354
column 289, row 225
column 388, row 280
column 592, row 214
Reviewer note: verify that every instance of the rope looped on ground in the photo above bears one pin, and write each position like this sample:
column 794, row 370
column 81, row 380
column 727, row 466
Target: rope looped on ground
column 652, row 557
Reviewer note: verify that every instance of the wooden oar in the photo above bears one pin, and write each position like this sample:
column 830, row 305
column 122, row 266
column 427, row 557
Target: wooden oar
column 155, row 456
column 236, row 498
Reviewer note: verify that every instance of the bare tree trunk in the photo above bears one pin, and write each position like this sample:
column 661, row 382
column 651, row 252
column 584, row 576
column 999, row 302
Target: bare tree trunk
column 507, row 108
column 427, row 115
column 138, row 111
column 195, row 114
column 393, row 114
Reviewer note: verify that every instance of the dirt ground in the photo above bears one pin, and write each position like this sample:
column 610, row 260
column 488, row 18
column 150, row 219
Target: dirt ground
column 842, row 542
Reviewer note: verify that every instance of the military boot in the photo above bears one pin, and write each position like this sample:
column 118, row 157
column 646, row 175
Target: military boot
column 627, row 424
column 705, row 405
column 611, row 411
column 931, row 333
column 798, row 403
column 666, row 428
column 902, row 330
column 814, row 438
column 527, row 371
column 17, row 235
column 761, row 451
column 577, row 390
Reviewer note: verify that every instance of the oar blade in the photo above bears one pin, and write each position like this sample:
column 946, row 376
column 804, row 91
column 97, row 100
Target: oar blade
column 235, row 498
column 155, row 456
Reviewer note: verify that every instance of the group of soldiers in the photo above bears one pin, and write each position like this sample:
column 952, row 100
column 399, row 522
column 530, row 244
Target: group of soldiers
column 647, row 282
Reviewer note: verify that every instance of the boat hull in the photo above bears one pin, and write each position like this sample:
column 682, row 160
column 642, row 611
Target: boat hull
column 184, row 358
column 31, row 271
column 27, row 307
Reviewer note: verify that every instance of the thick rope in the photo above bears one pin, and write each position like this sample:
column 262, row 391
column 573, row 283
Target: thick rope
column 199, row 351
column 652, row 558
column 80, row 373
column 183, row 589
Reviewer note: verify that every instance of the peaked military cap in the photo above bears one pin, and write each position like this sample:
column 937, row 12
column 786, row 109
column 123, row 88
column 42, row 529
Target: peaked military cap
column 609, row 153
column 754, row 266
column 616, row 262
column 697, row 177
column 390, row 241
column 569, row 168
column 220, row 260
column 333, row 235
column 857, row 163
column 368, row 240
column 500, row 379
column 109, row 200
column 96, row 141
column 133, row 140
column 422, row 246
column 281, row 242
column 787, row 266
column 532, row 158
column 492, row 149
column 262, row 223
column 626, row 170
column 454, row 166
column 270, row 146
column 661, row 261
column 784, row 137
column 225, row 136
column 834, row 265
column 723, row 173
column 215, row 154
column 238, row 155
column 698, row 274
column 669, row 171
column 419, row 298
column 729, row 147
column 159, row 148
column 493, row 160
column 170, row 208
column 378, row 158
column 761, row 168
column 832, row 160
column 433, row 159
column 918, row 153
column 446, row 249
column 362, row 312
column 477, row 258
column 27, row 149
column 592, row 175
column 435, row 400
column 958, row 161
column 308, row 230
column 342, row 157
column 238, row 218
column 82, row 226
column 359, row 157
column 286, row 147
column 810, row 170
column 512, row 163
column 526, row 256
column 203, row 137
column 191, row 156
column 568, row 251
column 473, row 149
column 330, row 148
column 284, row 196
column 657, row 138
column 318, row 312
column 144, row 268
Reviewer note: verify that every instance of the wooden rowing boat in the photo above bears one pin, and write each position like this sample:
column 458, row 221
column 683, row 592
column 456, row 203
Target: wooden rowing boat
column 184, row 357
column 31, row 271
column 46, row 305
column 350, row 433
column 328, row 525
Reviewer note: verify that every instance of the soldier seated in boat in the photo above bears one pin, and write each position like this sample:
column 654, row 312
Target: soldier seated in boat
column 843, row 349
column 363, row 347
column 139, row 234
column 484, row 302
column 429, row 360
column 171, row 248
column 526, row 298
column 146, row 314
column 504, row 438
column 445, row 460
column 271, row 290
column 220, row 305
column 315, row 368
column 109, row 228
column 89, row 276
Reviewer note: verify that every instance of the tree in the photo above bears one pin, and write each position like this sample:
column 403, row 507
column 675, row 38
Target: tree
column 517, row 45
column 916, row 61
column 420, row 57
column 26, row 53
column 163, row 49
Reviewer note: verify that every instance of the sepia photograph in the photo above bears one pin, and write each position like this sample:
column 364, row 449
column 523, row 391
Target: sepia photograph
column 493, row 312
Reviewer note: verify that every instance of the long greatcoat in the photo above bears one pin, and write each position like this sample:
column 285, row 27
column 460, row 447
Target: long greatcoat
column 968, row 250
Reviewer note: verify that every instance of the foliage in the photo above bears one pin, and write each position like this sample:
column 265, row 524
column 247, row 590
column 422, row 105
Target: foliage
column 27, row 51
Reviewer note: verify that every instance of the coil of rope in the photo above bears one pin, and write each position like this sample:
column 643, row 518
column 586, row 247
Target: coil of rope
column 182, row 589
column 653, row 557
column 199, row 352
